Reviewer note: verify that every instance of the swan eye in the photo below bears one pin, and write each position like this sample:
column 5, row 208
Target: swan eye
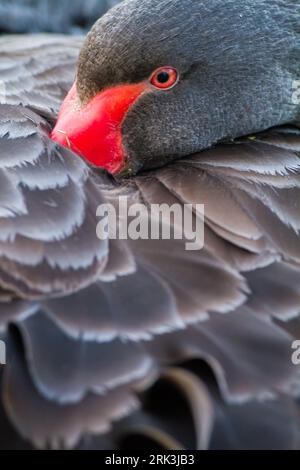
column 164, row 78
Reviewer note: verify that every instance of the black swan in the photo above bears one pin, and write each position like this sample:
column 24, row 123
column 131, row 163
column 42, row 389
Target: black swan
column 111, row 342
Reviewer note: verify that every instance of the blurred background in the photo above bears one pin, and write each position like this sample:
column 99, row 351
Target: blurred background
column 58, row 16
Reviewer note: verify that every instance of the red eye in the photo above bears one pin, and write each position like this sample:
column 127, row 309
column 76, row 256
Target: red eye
column 164, row 78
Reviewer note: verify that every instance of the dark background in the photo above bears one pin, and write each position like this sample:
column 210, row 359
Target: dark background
column 58, row 16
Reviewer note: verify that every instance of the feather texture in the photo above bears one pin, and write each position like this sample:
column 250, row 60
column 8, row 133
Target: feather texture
column 100, row 321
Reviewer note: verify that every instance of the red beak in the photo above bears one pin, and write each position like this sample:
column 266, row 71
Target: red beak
column 94, row 130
